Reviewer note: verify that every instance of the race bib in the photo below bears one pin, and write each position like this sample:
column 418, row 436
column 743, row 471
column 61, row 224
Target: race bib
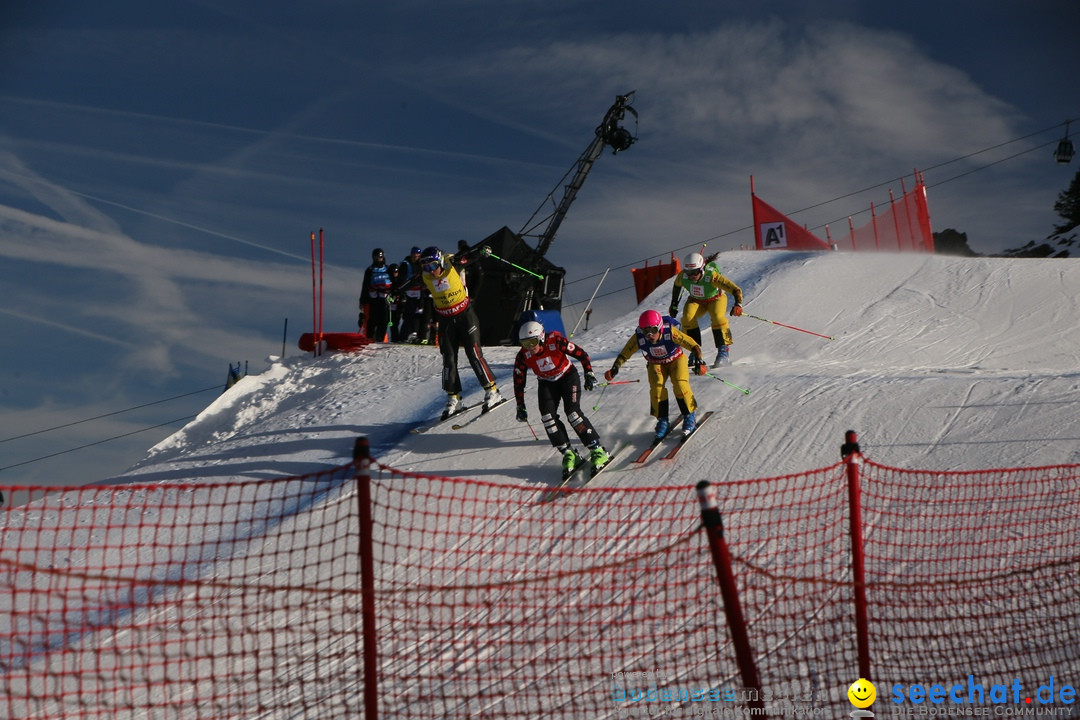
column 658, row 351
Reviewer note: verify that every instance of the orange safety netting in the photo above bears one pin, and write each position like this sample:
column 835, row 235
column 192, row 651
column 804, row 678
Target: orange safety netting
column 246, row 599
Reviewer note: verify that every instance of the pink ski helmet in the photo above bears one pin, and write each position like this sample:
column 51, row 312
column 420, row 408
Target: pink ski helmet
column 650, row 318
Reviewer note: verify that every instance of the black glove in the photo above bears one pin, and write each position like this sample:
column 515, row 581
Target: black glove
column 590, row 380
column 673, row 309
column 522, row 414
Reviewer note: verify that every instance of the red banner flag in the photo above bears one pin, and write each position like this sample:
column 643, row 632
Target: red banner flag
column 774, row 231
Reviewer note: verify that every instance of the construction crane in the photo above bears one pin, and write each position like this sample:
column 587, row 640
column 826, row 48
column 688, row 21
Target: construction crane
column 512, row 277
column 609, row 133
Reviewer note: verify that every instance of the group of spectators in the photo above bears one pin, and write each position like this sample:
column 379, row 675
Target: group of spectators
column 395, row 306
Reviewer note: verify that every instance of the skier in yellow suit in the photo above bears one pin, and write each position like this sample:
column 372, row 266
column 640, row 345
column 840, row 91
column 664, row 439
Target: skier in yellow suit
column 662, row 344
column 458, row 326
column 706, row 286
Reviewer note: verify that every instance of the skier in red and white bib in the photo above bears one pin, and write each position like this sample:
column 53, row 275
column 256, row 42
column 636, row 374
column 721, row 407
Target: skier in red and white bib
column 548, row 355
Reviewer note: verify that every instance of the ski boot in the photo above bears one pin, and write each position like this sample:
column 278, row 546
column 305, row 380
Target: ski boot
column 722, row 356
column 492, row 398
column 599, row 458
column 453, row 405
column 661, row 428
column 688, row 424
column 570, row 462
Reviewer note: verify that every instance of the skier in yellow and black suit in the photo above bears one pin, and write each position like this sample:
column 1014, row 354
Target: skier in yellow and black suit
column 662, row 343
column 706, row 285
column 458, row 326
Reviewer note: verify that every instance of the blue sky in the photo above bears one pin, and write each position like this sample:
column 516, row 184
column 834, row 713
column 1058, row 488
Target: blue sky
column 162, row 165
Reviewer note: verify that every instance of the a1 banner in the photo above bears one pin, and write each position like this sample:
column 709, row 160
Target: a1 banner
column 774, row 231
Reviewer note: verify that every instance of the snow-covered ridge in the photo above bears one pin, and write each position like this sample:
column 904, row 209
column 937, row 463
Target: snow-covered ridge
column 938, row 362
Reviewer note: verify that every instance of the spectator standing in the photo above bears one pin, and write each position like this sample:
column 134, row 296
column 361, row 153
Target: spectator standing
column 412, row 297
column 374, row 307
column 394, row 301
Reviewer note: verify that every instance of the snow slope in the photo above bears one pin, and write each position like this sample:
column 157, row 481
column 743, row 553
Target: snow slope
column 938, row 362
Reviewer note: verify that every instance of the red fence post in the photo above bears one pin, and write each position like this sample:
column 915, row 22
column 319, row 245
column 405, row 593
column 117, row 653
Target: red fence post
column 877, row 240
column 744, row 655
column 896, row 223
column 850, row 453
column 314, row 299
column 362, row 458
column 319, row 332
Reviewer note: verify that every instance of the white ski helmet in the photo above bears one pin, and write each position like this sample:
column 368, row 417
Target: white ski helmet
column 531, row 329
column 693, row 262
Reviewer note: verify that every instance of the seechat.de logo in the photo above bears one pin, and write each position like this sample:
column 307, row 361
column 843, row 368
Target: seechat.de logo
column 862, row 694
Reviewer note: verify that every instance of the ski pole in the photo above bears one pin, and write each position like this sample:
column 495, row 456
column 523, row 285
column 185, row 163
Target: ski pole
column 790, row 327
column 612, row 382
column 604, row 390
column 390, row 312
column 535, row 436
column 743, row 390
column 486, row 252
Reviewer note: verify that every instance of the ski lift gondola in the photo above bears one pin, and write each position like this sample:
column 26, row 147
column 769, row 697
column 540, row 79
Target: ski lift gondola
column 1064, row 151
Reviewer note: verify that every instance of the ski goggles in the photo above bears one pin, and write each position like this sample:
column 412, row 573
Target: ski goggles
column 430, row 267
column 530, row 342
column 695, row 273
column 652, row 329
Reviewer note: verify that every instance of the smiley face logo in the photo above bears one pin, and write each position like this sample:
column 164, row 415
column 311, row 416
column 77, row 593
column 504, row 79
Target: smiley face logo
column 862, row 693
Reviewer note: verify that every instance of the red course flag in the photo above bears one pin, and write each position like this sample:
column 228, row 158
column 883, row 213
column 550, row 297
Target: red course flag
column 774, row 231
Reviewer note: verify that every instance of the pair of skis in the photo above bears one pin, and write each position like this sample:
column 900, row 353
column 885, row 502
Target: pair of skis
column 461, row 422
column 683, row 438
column 564, row 488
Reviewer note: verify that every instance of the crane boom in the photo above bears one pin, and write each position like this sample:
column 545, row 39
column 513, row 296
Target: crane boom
column 609, row 132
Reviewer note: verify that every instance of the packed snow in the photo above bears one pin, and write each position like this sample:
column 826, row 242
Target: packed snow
column 937, row 362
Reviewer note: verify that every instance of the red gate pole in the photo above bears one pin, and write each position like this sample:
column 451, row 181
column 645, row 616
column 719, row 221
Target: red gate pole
column 744, row 655
column 321, row 247
column 314, row 299
column 850, row 453
column 877, row 240
column 362, row 459
column 895, row 221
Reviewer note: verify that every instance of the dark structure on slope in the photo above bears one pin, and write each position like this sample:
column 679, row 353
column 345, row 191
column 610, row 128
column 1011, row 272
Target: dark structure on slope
column 502, row 292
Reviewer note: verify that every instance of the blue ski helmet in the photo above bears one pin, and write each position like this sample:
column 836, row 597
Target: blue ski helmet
column 431, row 260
